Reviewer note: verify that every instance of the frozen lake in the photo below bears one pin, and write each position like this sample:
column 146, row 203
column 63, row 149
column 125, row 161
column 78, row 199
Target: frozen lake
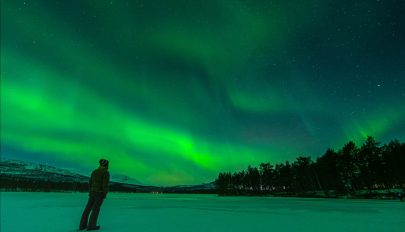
column 59, row 212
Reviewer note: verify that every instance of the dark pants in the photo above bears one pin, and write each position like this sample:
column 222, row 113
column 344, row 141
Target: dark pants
column 93, row 205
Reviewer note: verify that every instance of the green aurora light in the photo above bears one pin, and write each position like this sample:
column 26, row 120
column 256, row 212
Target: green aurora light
column 173, row 92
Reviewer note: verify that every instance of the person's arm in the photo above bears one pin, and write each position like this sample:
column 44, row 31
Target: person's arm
column 106, row 180
column 90, row 181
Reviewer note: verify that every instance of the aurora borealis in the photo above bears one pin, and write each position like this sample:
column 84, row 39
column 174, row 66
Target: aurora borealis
column 174, row 92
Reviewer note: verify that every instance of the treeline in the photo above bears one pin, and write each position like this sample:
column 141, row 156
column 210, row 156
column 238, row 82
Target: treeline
column 12, row 183
column 350, row 171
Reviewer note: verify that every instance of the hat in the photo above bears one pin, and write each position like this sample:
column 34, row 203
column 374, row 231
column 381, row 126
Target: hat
column 103, row 162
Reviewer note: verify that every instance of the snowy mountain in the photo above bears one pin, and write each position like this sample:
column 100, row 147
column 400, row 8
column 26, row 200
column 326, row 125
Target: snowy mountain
column 124, row 179
column 16, row 174
column 26, row 170
column 191, row 188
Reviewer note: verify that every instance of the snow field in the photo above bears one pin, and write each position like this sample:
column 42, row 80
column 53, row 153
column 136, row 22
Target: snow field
column 59, row 212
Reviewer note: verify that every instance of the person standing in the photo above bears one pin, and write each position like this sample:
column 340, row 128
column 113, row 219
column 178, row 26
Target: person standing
column 98, row 189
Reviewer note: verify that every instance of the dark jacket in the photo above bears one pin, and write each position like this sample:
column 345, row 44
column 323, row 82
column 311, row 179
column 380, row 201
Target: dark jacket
column 99, row 180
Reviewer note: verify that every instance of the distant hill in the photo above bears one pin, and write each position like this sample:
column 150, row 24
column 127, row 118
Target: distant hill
column 26, row 170
column 124, row 179
column 16, row 175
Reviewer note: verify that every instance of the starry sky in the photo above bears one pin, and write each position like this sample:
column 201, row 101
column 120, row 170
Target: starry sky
column 174, row 92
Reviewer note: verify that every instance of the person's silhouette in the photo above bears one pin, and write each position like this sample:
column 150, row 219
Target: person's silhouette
column 98, row 189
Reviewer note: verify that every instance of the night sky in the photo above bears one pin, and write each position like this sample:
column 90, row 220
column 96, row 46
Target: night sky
column 174, row 92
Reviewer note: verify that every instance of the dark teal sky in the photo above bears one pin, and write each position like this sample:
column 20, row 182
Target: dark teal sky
column 173, row 92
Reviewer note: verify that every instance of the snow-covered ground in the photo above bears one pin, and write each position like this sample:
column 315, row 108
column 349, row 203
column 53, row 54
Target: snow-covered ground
column 40, row 212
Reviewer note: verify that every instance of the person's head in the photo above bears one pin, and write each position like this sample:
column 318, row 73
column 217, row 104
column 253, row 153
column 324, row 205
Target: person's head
column 104, row 163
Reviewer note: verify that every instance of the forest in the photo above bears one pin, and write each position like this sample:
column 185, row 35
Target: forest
column 372, row 170
column 22, row 184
